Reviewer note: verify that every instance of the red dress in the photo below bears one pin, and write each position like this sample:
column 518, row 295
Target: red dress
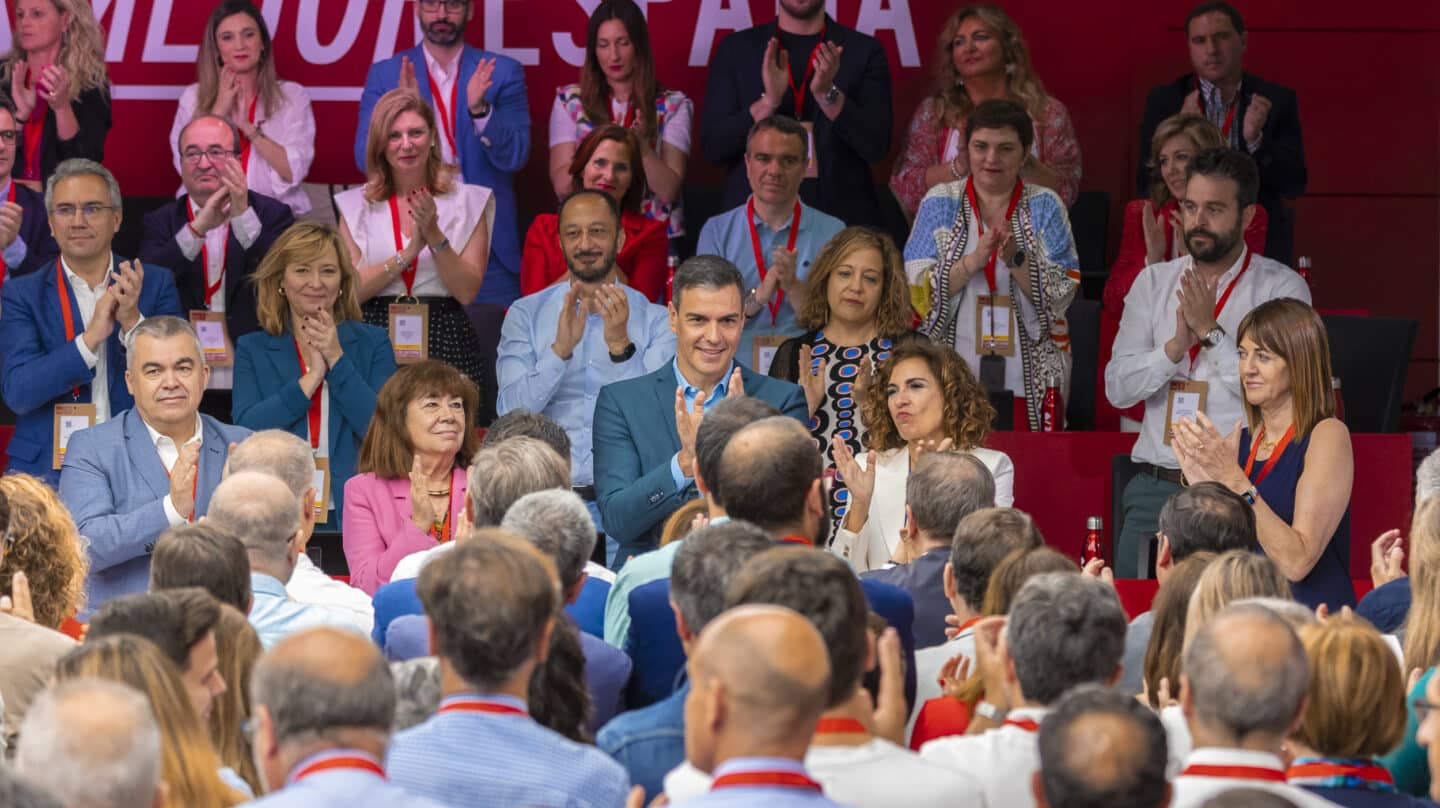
column 642, row 257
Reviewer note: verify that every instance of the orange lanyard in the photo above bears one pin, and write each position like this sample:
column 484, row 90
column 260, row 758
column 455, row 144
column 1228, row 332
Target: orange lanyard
column 1274, row 455
column 1220, row 304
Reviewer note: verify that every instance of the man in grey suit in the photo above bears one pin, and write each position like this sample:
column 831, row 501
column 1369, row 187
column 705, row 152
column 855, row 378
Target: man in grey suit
column 132, row 478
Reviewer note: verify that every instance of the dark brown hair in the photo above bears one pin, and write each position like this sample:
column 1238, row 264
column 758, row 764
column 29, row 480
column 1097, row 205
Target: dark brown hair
column 1292, row 330
column 635, row 194
column 595, row 88
column 1167, row 633
column 387, row 451
column 967, row 414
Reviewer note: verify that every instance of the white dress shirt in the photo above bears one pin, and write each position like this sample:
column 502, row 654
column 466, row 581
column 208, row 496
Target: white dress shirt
column 97, row 360
column 444, row 78
column 169, row 453
column 1140, row 371
column 929, row 661
column 247, row 229
column 1191, row 791
column 872, row 547
column 1003, row 759
column 312, row 587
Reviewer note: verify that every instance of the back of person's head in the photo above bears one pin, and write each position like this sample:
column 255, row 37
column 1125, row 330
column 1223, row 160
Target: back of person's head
column 1230, row 164
column 1422, row 622
column 1356, row 697
column 683, row 522
column 206, row 555
column 1014, row 570
column 820, row 586
column 1102, row 749
column 944, row 488
column 490, row 606
column 529, row 424
column 981, row 542
column 41, row 541
column 277, row 453
column 768, row 471
column 1168, row 613
column 1232, row 576
column 1063, row 630
column 1206, row 516
column 19, row 793
column 503, row 472
column 557, row 522
column 1246, row 673
column 706, row 564
column 93, row 744
column 259, row 510
column 1295, row 614
column 175, row 620
column 320, row 680
column 714, row 433
column 237, row 648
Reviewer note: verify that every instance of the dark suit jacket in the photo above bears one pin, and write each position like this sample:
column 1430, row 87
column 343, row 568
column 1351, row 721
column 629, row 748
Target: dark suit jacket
column 846, row 146
column 39, row 366
column 158, row 246
column 1281, row 156
column 924, row 580
column 92, row 113
column 634, row 439
column 40, row 246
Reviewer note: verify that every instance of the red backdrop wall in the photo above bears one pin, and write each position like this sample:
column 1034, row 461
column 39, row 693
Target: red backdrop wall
column 1368, row 82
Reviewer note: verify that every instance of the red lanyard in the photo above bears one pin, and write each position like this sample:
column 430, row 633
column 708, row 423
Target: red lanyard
column 469, row 705
column 980, row 222
column 765, row 778
column 62, row 288
column 1220, row 304
column 1274, row 454
column 1026, row 724
column 245, row 141
column 210, row 288
column 408, row 274
column 840, row 726
column 760, row 256
column 34, row 133
column 1234, row 772
column 944, row 141
column 968, row 623
column 444, row 113
column 798, row 91
column 314, row 400
column 1229, row 116
column 800, row 540
column 352, row 762
column 1326, row 772
column 629, row 119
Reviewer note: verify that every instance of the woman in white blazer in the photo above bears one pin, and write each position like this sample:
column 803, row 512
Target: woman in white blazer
column 922, row 398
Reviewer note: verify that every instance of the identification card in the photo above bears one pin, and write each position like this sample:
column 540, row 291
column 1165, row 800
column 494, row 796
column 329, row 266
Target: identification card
column 994, row 325
column 214, row 337
column 410, row 332
column 322, row 488
column 812, row 164
column 764, row 352
column 1185, row 399
column 69, row 419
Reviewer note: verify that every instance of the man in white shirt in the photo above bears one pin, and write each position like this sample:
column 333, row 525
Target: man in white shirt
column 288, row 457
column 1243, row 686
column 1064, row 629
column 1101, row 747
column 1176, row 349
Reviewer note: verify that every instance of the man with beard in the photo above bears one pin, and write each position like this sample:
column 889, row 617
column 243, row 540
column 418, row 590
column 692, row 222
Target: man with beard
column 833, row 79
column 1176, row 347
column 559, row 346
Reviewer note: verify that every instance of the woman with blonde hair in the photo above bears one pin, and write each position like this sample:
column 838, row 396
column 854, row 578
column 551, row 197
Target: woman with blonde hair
column 189, row 766
column 315, row 368
column 238, row 647
column 416, row 233
column 982, row 55
column 1231, row 576
column 1420, row 635
column 1298, row 463
column 238, row 83
column 55, row 76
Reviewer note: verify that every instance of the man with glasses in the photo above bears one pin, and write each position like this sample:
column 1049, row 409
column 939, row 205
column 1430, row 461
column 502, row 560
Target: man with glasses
column 484, row 120
column 65, row 329
column 25, row 240
column 213, row 238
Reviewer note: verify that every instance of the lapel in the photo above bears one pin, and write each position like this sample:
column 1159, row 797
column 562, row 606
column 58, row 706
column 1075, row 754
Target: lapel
column 213, row 453
column 664, row 387
column 235, row 260
column 281, row 348
column 143, row 456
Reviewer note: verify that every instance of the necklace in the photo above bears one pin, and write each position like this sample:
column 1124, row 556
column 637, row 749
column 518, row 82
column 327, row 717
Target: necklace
column 444, row 493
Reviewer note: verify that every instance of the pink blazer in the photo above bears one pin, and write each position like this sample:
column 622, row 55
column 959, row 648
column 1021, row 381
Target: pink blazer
column 378, row 531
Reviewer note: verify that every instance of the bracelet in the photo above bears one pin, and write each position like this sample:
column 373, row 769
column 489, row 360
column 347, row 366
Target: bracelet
column 444, row 242
column 989, row 711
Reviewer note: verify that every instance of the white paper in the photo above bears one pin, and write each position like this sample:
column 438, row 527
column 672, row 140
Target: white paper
column 767, row 355
column 997, row 320
column 319, row 484
column 211, row 334
column 69, row 425
column 1187, row 405
column 407, row 330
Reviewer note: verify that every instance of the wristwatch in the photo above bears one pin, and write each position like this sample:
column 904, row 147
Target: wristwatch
column 1213, row 337
column 831, row 95
column 990, row 712
column 623, row 356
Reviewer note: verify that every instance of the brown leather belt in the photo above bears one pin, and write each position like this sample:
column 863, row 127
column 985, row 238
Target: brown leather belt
column 1162, row 473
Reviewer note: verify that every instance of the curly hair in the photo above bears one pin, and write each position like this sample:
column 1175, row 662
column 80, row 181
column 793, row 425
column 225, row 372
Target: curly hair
column 892, row 318
column 968, row 413
column 82, row 49
column 42, row 542
column 952, row 103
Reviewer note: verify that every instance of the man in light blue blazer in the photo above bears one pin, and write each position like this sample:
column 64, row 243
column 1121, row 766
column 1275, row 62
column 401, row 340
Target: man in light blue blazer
column 644, row 428
column 130, row 479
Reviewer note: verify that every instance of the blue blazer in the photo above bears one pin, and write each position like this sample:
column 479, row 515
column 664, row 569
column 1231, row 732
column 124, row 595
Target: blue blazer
column 491, row 159
column 114, row 485
column 40, row 367
column 268, row 396
column 40, row 245
column 634, row 439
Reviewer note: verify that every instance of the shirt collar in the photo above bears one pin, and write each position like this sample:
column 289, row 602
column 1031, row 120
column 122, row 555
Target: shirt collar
column 1036, row 714
column 442, row 73
column 329, row 754
column 754, row 764
column 690, row 389
column 263, row 584
column 156, row 437
column 497, row 698
column 1232, row 271
column 804, row 215
column 1211, row 91
column 76, row 281
column 1220, row 756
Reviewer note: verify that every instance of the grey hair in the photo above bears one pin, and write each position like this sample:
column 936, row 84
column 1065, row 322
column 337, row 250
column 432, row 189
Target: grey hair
column 1064, row 629
column 705, row 272
column 18, row 793
column 557, row 522
column 93, row 744
column 707, row 561
column 1296, row 614
column 161, row 326
column 1086, row 760
column 1427, row 478
column 247, row 504
column 303, row 704
column 503, row 473
column 81, row 167
column 1259, row 693
column 945, row 487
column 279, row 454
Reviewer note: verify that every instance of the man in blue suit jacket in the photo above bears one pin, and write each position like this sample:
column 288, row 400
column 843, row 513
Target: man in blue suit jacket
column 644, row 428
column 484, row 117
column 66, row 326
column 130, row 479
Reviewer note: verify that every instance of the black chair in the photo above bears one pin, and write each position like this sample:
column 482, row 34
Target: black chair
column 701, row 203
column 327, row 550
column 1371, row 355
column 1089, row 224
column 127, row 241
column 893, row 218
column 1004, row 403
column 1122, row 471
column 1083, row 316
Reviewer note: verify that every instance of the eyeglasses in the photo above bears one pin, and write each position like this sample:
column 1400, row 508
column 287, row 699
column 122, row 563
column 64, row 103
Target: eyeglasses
column 450, row 5
column 89, row 210
column 1423, row 709
column 215, row 153
column 9, row 135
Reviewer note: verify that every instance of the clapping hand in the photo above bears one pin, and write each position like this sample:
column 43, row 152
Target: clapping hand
column 1154, row 228
column 1205, row 454
column 827, row 64
column 18, row 603
column 953, row 675
column 1387, row 558
column 22, row 92
column 479, row 83
column 990, row 661
column 54, row 86
column 422, row 513
column 891, row 711
column 182, row 479
column 320, row 334
column 1255, row 116
column 128, row 280
column 407, row 75
column 775, row 71
column 609, row 301
column 860, row 482
column 812, row 381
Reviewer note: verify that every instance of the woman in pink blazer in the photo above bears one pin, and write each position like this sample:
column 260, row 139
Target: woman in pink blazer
column 409, row 494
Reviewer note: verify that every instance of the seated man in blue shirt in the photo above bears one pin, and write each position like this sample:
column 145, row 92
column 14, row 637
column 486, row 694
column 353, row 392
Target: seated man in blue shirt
column 772, row 238
column 644, row 429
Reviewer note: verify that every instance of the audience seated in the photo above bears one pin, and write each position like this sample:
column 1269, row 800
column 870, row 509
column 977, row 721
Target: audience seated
column 21, row 793
column 101, row 728
column 1164, row 626
column 181, row 624
column 114, row 471
column 205, row 555
column 1098, row 747
column 25, row 239
column 1425, row 736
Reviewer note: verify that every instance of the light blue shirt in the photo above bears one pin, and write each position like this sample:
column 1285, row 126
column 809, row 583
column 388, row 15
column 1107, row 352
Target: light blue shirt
column 532, row 377
column 341, row 788
column 779, row 796
column 637, row 572
column 716, row 396
column 275, row 616
column 728, row 235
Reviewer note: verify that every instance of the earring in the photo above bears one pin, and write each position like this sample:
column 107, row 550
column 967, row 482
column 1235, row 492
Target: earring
column 1010, row 69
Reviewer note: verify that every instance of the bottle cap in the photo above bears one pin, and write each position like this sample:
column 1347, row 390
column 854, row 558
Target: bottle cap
column 1094, row 523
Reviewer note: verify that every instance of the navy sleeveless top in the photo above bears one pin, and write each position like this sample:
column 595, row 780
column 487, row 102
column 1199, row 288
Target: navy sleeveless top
column 1329, row 580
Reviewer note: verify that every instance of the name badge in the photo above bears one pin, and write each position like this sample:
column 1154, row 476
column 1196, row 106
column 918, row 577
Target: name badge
column 994, row 325
column 69, row 419
column 322, row 488
column 1185, row 399
column 214, row 337
column 812, row 164
column 410, row 332
column 764, row 347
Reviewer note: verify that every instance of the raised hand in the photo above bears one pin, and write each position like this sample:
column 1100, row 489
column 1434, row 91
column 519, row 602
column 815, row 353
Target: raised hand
column 425, row 216
column 422, row 513
column 407, row 75
column 479, row 84
column 931, row 445
column 812, row 381
column 990, row 662
column 182, row 479
column 860, row 482
column 128, row 280
column 1204, row 453
column 227, row 95
column 22, row 93
column 320, row 332
column 1191, row 104
column 54, row 85
column 18, row 603
column 953, row 675
column 891, row 711
column 1255, row 116
column 1177, row 226
column 775, row 71
column 1154, row 229
column 1095, row 568
column 1197, row 301
column 11, row 214
column 1387, row 558
column 610, row 302
column 735, row 388
column 571, row 325
column 237, row 187
column 102, row 322
column 827, row 64
column 215, row 212
column 687, row 422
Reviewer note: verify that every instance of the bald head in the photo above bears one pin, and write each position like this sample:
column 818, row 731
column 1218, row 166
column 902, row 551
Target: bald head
column 259, row 509
column 277, row 453
column 103, row 729
column 1245, row 672
column 324, row 678
column 1101, row 747
column 767, row 471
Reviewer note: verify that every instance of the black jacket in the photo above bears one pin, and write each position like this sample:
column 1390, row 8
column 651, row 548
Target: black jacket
column 92, row 114
column 40, row 246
